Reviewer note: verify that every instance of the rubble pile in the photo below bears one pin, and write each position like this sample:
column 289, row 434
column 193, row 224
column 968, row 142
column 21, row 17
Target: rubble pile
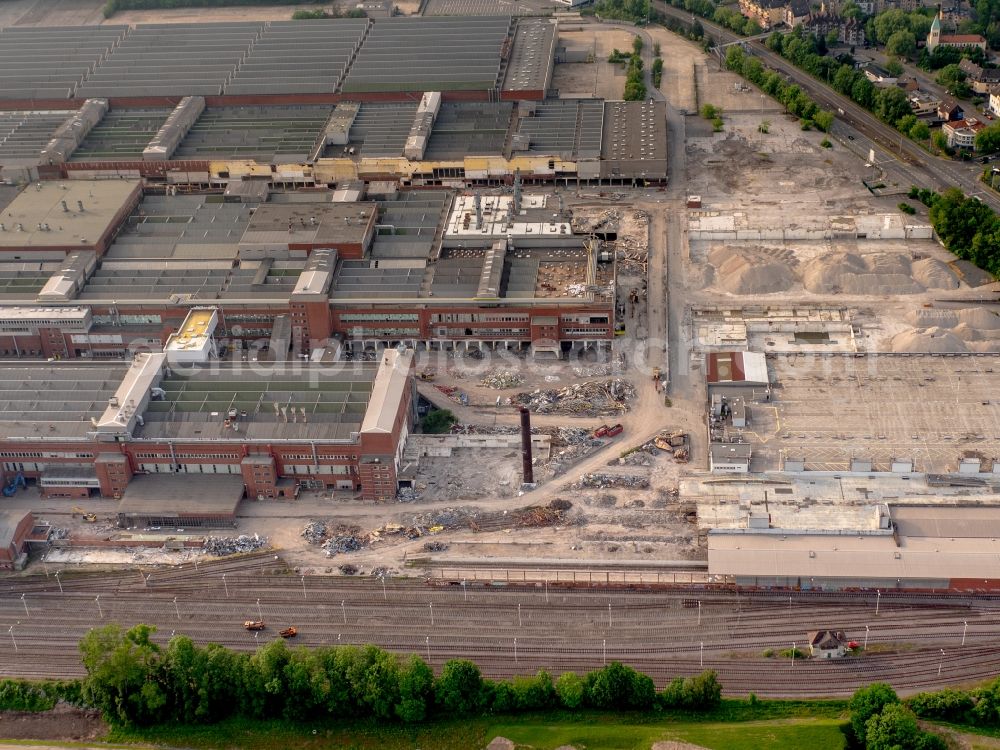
column 603, row 223
column 537, row 517
column 635, row 458
column 57, row 532
column 502, row 379
column 595, row 399
column 314, row 532
column 407, row 495
column 632, row 244
column 347, row 569
column 435, row 547
column 221, row 546
column 454, row 394
column 599, row 480
column 344, row 539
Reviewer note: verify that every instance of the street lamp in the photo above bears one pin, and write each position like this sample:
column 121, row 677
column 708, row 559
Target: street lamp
column 701, row 659
column 515, row 650
column 878, row 601
column 97, row 600
column 226, row 585
column 427, row 639
column 58, row 581
column 519, row 614
column 793, row 653
column 304, row 596
column 430, row 606
column 609, row 615
column 605, row 659
column 965, row 629
column 866, row 638
column 941, row 663
column 178, row 609
column 465, row 591
column 343, row 611
column 699, row 612
column 26, row 613
column 260, row 613
column 11, row 631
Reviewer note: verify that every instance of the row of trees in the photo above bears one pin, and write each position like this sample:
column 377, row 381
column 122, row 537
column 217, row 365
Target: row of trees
column 726, row 16
column 968, row 227
column 791, row 96
column 891, row 104
column 132, row 680
column 622, row 10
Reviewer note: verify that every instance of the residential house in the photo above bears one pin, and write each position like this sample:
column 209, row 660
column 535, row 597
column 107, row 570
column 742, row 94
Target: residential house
column 879, row 76
column 849, row 30
column 950, row 112
column 936, row 39
column 995, row 103
column 767, row 13
column 981, row 80
column 827, row 644
column 962, row 133
column 923, row 104
column 796, row 12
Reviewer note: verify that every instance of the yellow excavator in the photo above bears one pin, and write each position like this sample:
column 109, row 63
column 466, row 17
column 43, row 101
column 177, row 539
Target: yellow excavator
column 88, row 517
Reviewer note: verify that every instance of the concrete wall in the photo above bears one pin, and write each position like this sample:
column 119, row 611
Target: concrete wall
column 443, row 445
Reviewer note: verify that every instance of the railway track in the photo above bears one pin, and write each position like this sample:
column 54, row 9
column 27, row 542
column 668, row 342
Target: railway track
column 515, row 629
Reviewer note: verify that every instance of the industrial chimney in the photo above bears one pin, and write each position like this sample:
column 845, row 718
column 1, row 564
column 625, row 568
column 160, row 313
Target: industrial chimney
column 526, row 469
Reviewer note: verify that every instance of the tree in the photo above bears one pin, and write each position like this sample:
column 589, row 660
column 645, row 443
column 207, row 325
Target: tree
column 438, row 421
column 951, row 76
column 123, row 674
column 459, row 688
column 894, row 67
column 892, row 104
column 697, row 30
column 920, row 131
column 832, row 38
column 851, row 9
column 863, row 92
column 416, row 690
column 888, row 23
column 637, row 45
column 902, row 43
column 895, row 727
column 823, row 120
column 940, row 140
column 988, row 139
column 868, row 702
column 844, row 79
column 570, row 689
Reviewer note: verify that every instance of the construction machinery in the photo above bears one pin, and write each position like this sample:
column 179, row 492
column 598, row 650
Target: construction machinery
column 289, row 632
column 85, row 515
column 17, row 481
column 254, row 624
column 426, row 376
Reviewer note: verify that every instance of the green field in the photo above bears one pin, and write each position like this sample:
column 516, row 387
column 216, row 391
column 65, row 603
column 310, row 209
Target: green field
column 734, row 726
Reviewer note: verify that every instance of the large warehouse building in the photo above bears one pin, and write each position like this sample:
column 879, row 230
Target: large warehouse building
column 927, row 547
column 417, row 101
column 82, row 429
column 294, row 275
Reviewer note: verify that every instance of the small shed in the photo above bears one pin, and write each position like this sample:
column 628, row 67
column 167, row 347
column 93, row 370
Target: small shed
column 827, row 644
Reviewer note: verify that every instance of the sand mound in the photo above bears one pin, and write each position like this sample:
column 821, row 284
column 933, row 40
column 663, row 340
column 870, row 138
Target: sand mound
column 935, row 274
column 929, row 340
column 741, row 273
column 846, row 273
column 925, row 318
column 980, row 317
column 966, row 332
column 984, row 346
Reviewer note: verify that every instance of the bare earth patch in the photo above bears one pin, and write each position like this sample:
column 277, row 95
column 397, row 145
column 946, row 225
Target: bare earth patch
column 65, row 723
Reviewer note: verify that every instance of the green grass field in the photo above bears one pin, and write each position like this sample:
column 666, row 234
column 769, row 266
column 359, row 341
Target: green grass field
column 734, row 726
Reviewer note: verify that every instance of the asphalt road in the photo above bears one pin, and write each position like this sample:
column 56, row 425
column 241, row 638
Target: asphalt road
column 926, row 170
column 511, row 630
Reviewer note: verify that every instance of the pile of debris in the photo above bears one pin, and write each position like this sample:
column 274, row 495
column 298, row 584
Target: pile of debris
column 595, row 399
column 603, row 223
column 57, row 532
column 599, row 480
column 407, row 495
column 502, row 379
column 454, row 394
column 675, row 443
column 537, row 517
column 435, row 547
column 220, row 546
column 344, row 539
column 314, row 532
column 632, row 244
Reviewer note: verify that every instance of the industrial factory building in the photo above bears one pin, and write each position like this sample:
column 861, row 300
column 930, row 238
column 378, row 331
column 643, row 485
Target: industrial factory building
column 82, row 429
column 927, row 547
column 415, row 101
column 301, row 272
